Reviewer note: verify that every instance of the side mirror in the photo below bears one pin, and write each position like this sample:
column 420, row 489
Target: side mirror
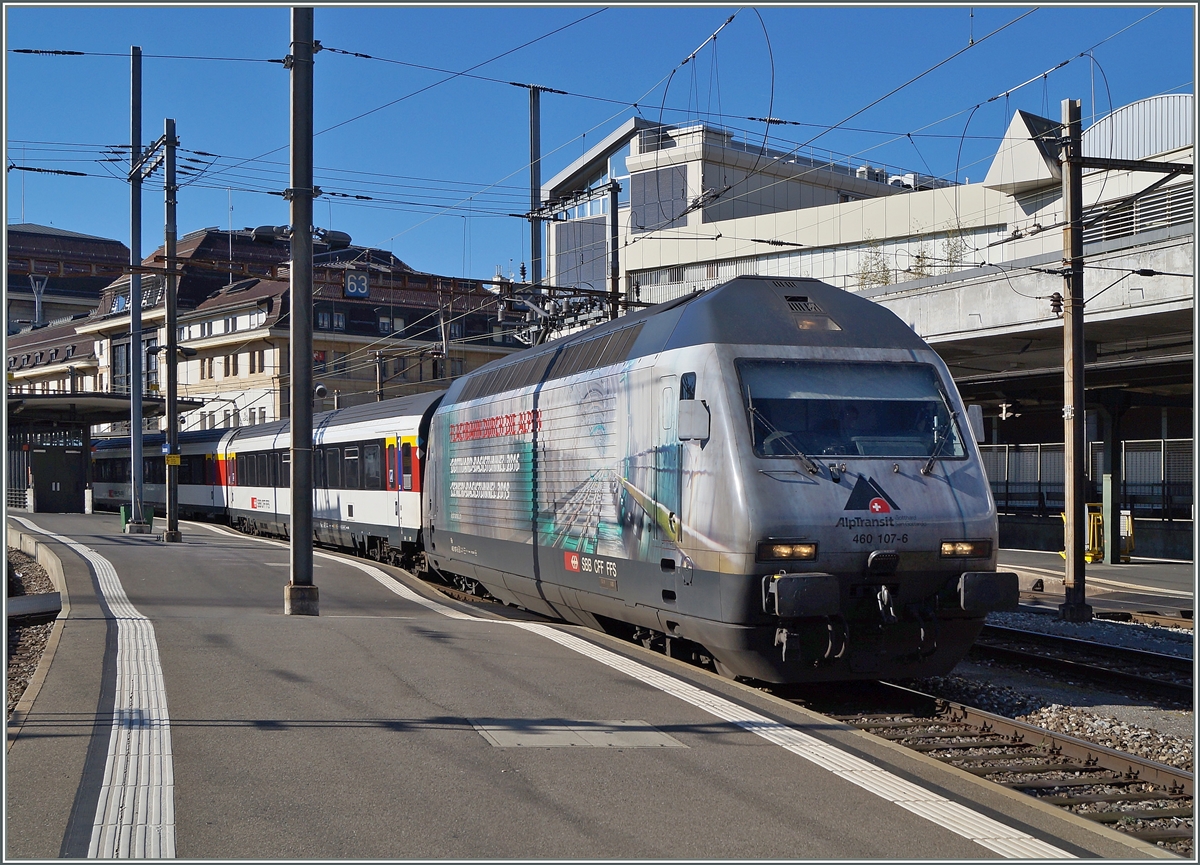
column 975, row 416
column 693, row 421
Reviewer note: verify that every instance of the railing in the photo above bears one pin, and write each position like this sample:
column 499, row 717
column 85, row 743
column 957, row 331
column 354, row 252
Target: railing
column 1156, row 480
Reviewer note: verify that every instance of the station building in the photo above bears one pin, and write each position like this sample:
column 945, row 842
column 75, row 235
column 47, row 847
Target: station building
column 53, row 274
column 381, row 329
column 972, row 267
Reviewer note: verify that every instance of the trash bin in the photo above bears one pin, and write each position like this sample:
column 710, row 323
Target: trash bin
column 127, row 516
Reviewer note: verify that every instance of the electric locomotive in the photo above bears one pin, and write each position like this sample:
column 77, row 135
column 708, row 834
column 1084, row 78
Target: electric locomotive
column 775, row 469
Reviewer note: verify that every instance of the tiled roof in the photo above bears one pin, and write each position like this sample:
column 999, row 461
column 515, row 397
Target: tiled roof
column 51, row 231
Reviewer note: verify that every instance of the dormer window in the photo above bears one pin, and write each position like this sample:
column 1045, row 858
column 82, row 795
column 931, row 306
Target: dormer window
column 53, row 354
column 70, row 352
column 12, row 362
column 25, row 360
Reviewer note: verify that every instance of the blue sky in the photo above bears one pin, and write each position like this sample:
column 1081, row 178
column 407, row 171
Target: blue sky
column 445, row 163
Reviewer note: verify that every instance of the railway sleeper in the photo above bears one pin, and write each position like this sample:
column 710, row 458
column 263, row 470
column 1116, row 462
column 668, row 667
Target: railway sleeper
column 938, row 734
column 1050, row 784
column 1034, row 769
column 1144, row 814
column 1183, row 833
column 1130, row 796
column 965, row 745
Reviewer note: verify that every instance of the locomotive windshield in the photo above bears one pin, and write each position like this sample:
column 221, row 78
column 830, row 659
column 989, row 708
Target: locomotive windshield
column 811, row 408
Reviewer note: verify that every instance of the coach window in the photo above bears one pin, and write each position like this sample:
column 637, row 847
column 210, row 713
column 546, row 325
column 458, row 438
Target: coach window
column 250, row 477
column 333, row 468
column 372, row 474
column 264, row 477
column 285, row 469
column 350, row 476
column 318, row 468
column 406, row 465
column 274, row 468
column 239, row 471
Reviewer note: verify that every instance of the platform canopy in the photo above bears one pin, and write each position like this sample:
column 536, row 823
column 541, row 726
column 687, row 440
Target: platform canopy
column 83, row 408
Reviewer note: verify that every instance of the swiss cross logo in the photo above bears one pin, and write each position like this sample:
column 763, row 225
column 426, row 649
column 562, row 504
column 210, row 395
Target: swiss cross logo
column 571, row 561
column 253, row 502
column 867, row 495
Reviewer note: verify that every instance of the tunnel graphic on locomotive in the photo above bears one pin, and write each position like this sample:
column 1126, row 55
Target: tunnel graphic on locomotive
column 775, row 470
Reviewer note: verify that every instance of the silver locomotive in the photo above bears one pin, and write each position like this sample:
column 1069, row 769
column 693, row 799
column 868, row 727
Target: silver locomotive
column 776, row 470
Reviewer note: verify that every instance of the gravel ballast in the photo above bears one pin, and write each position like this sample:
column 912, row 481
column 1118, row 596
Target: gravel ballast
column 1163, row 734
column 26, row 643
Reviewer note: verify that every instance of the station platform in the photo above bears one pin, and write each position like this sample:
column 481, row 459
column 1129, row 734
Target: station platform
column 1165, row 586
column 183, row 715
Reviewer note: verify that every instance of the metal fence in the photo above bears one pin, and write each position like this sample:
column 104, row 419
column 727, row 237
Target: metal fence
column 1156, row 474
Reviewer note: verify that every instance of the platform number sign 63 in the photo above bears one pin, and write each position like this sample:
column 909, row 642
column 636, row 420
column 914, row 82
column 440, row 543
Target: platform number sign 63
column 357, row 284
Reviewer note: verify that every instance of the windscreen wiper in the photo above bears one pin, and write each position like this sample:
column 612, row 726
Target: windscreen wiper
column 813, row 466
column 937, row 451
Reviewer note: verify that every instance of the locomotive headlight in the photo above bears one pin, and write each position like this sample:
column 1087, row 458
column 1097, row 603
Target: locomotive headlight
column 966, row 549
column 776, row 551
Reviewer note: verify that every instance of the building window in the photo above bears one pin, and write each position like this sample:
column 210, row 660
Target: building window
column 385, row 324
column 262, row 415
column 323, row 320
column 206, row 328
column 398, row 325
column 339, row 361
column 231, row 324
column 339, row 321
column 456, row 330
column 318, row 361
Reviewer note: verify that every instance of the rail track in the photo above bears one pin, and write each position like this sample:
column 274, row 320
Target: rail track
column 1149, row 673
column 1147, row 800
column 1142, row 798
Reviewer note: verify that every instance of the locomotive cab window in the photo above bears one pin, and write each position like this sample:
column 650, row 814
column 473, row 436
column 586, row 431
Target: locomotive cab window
column 687, row 386
column 853, row 409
